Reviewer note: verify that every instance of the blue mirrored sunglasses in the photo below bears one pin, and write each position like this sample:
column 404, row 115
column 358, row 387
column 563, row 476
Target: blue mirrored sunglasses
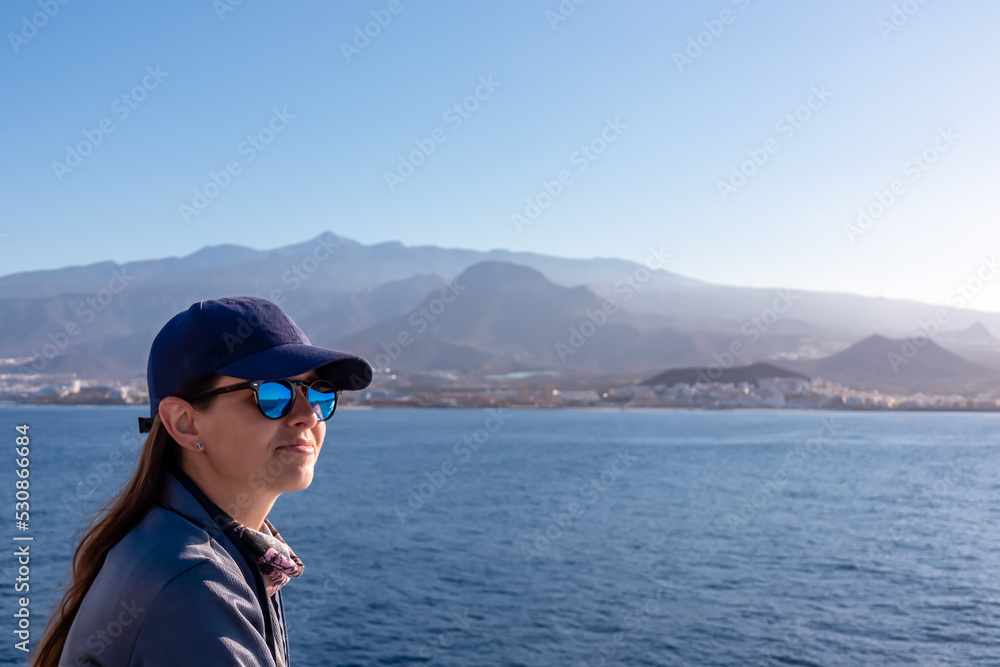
column 275, row 398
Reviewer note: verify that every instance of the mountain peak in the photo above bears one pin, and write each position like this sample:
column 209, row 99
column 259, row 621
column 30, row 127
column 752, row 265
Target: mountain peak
column 873, row 341
column 224, row 253
column 892, row 360
column 977, row 333
column 494, row 273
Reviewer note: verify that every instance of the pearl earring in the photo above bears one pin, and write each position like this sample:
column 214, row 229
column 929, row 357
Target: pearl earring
column 199, row 446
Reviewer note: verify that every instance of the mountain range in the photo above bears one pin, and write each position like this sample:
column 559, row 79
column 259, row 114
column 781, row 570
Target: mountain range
column 428, row 308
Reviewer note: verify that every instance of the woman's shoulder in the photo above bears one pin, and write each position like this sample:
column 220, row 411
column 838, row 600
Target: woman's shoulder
column 160, row 548
column 164, row 571
column 162, row 545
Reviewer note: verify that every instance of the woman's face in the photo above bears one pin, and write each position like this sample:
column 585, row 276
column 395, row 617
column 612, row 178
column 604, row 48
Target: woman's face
column 245, row 449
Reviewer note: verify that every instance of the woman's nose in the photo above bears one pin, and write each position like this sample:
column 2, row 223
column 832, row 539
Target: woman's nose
column 302, row 403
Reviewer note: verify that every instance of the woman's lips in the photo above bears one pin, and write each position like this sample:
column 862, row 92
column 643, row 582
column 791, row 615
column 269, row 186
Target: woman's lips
column 298, row 447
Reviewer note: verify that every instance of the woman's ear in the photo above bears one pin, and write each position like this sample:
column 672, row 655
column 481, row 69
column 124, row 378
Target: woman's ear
column 177, row 416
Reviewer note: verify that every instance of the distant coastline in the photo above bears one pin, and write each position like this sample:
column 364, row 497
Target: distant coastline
column 614, row 408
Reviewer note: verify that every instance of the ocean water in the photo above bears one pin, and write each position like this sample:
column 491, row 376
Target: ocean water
column 599, row 537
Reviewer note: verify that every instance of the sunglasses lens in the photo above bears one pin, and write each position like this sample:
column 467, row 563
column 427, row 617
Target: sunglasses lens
column 273, row 398
column 322, row 398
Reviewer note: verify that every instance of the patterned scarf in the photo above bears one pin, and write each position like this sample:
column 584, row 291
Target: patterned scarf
column 277, row 562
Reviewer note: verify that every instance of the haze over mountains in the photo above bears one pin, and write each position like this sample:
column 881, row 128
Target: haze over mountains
column 430, row 308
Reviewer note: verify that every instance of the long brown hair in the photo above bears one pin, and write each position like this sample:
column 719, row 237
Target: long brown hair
column 112, row 522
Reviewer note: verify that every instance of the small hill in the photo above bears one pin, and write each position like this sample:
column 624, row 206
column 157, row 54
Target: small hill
column 898, row 364
column 976, row 334
column 750, row 373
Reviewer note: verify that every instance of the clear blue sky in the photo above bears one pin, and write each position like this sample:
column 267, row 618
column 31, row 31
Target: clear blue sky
column 685, row 128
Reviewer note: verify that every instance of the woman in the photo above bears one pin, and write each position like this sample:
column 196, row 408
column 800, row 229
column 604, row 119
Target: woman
column 184, row 567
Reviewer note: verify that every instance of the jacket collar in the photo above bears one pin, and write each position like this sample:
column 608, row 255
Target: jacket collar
column 181, row 495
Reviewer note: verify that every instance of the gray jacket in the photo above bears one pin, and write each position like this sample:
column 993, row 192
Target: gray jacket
column 176, row 590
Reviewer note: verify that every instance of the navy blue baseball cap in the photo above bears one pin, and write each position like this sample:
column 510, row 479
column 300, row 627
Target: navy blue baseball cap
column 246, row 337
